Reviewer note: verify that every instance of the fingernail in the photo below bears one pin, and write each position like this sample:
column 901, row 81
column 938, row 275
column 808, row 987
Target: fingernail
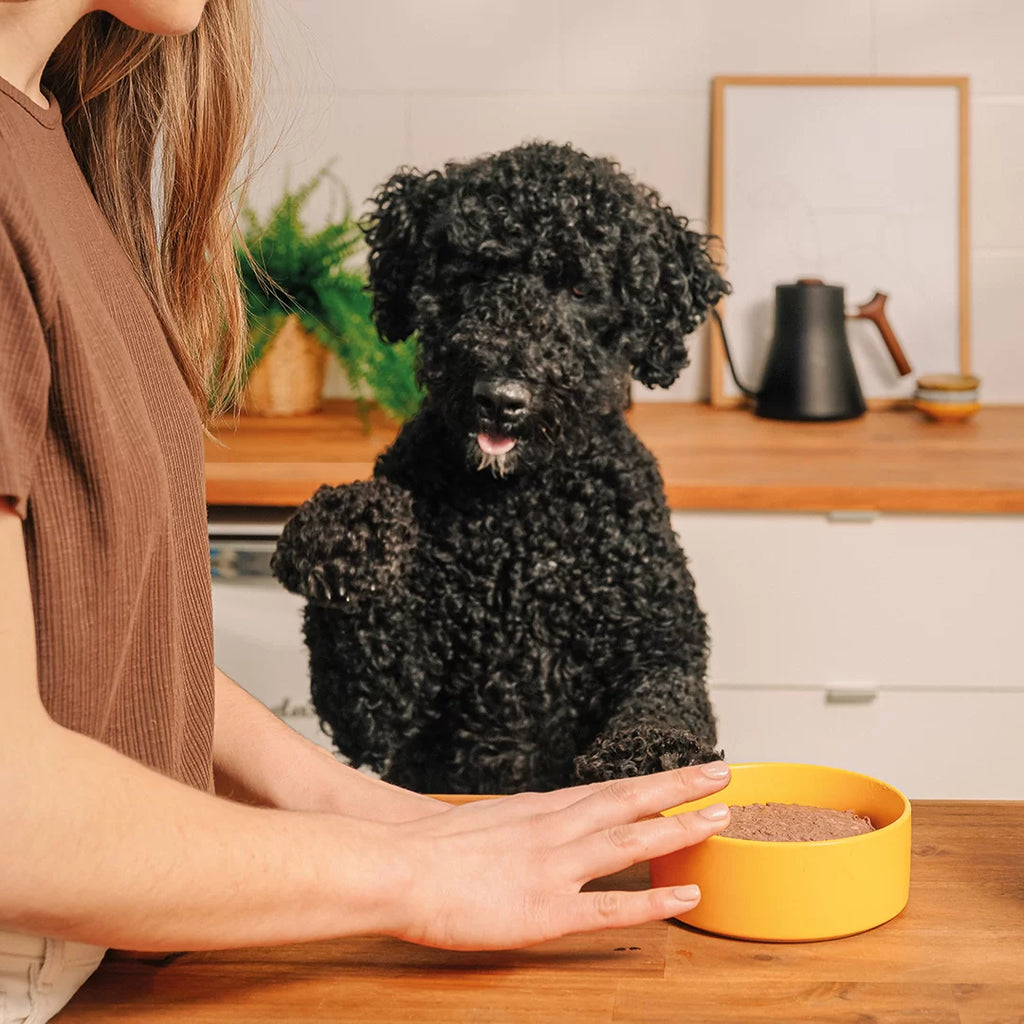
column 716, row 812
column 687, row 893
column 715, row 770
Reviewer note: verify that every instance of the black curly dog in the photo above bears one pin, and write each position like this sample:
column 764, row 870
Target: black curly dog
column 504, row 606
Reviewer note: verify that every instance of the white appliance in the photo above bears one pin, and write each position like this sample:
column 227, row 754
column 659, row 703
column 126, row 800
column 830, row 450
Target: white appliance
column 257, row 624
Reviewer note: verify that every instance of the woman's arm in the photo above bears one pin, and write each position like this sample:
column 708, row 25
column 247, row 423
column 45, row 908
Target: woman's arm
column 101, row 849
column 257, row 759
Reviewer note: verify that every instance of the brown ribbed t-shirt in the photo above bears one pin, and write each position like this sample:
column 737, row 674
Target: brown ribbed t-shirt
column 101, row 452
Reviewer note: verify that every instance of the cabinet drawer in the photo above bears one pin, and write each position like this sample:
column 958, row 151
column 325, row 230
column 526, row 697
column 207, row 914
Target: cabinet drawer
column 929, row 744
column 806, row 601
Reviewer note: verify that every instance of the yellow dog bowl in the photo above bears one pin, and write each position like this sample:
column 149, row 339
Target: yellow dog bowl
column 797, row 892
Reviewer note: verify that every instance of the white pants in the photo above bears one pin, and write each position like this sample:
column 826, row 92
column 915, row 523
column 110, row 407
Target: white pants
column 38, row 976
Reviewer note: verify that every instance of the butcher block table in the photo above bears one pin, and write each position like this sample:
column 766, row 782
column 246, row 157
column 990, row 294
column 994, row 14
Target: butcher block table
column 954, row 956
column 726, row 459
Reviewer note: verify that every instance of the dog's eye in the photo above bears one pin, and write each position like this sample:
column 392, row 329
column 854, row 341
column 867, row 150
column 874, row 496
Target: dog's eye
column 579, row 292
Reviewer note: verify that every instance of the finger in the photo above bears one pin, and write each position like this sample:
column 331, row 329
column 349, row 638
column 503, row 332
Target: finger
column 527, row 804
column 626, row 800
column 592, row 911
column 524, row 805
column 622, row 846
column 508, row 810
column 495, row 811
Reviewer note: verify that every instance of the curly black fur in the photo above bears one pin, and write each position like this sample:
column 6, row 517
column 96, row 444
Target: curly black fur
column 505, row 605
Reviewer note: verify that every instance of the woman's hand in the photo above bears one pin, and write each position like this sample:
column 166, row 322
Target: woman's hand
column 505, row 873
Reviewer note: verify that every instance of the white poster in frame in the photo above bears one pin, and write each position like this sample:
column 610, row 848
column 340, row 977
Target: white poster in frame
column 860, row 182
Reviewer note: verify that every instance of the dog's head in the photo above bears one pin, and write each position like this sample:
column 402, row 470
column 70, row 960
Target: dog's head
column 539, row 280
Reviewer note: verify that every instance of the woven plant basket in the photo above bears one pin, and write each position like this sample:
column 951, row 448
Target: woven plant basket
column 289, row 379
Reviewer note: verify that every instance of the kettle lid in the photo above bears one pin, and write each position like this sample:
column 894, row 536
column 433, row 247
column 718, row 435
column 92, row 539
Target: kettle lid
column 809, row 289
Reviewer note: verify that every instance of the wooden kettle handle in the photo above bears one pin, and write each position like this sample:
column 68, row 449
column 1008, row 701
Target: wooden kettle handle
column 874, row 310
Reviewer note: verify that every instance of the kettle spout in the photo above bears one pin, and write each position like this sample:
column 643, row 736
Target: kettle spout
column 749, row 392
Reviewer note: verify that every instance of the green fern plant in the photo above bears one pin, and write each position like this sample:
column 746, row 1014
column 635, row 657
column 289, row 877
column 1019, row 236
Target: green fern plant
column 286, row 270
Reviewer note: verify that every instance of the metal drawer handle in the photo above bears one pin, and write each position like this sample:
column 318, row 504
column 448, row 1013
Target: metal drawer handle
column 850, row 696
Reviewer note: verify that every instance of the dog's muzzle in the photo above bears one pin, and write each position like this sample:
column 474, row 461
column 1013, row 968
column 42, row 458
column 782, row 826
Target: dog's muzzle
column 502, row 406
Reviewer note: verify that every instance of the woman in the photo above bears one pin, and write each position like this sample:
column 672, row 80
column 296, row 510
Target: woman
column 148, row 802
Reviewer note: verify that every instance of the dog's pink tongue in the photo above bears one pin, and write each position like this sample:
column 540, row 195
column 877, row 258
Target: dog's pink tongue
column 493, row 445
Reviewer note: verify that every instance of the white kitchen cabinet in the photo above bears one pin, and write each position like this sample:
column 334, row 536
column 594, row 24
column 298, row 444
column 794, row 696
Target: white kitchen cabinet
column 890, row 645
column 887, row 644
column 931, row 744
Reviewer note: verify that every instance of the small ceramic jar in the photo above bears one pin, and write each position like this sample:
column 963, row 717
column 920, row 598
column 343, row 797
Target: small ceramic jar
column 947, row 396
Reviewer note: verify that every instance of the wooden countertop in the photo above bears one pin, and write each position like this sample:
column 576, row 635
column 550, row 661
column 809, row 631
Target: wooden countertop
column 955, row 955
column 888, row 461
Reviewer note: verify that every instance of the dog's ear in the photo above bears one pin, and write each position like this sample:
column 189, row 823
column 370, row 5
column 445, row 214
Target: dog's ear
column 396, row 230
column 668, row 283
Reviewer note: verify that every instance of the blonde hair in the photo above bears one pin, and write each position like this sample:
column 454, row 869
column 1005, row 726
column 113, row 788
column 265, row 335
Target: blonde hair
column 169, row 114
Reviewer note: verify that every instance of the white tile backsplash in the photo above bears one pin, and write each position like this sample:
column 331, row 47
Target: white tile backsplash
column 364, row 140
column 654, row 137
column 997, row 174
column 450, row 45
column 979, row 38
column 668, row 45
column 998, row 325
column 379, row 85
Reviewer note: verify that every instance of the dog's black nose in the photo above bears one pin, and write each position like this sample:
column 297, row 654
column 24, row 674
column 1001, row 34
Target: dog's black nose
column 508, row 398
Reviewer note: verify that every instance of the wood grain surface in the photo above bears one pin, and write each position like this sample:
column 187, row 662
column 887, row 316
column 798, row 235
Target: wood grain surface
column 955, row 956
column 726, row 459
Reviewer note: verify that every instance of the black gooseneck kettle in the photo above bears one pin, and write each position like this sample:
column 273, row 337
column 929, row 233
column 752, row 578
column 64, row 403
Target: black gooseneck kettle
column 809, row 373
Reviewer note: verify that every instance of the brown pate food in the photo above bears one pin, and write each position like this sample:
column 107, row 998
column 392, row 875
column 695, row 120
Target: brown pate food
column 793, row 823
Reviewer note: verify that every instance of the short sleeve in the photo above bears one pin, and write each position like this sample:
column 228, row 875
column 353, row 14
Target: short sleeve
column 24, row 378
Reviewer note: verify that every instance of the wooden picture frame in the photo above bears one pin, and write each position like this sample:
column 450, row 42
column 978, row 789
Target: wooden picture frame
column 783, row 118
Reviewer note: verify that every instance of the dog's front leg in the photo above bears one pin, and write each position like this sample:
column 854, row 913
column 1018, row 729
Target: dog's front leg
column 664, row 722
column 350, row 551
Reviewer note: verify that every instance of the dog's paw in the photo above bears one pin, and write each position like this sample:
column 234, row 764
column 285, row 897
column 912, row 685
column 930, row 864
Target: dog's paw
column 641, row 750
column 348, row 544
